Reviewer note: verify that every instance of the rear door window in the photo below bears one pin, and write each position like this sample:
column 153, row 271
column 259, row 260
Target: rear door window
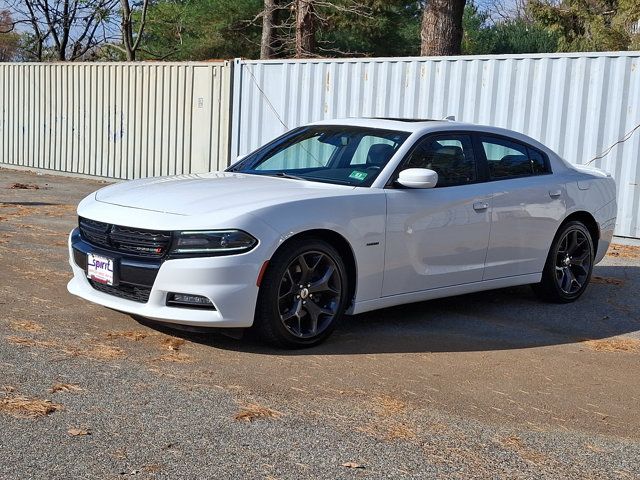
column 508, row 159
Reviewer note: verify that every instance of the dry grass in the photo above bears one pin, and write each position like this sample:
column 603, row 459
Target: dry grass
column 19, row 211
column 35, row 273
column 129, row 335
column 29, row 342
column 607, row 280
column 24, row 407
column 24, row 186
column 65, row 387
column 253, row 411
column 400, row 431
column 152, row 468
column 623, row 251
column 175, row 357
column 95, row 352
column 628, row 345
column 388, row 406
column 386, row 425
column 173, row 344
column 388, row 430
column 26, row 326
column 100, row 352
column 516, row 445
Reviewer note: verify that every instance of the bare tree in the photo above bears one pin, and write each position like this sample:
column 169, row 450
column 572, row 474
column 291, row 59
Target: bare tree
column 441, row 32
column 130, row 42
column 501, row 10
column 68, row 27
column 267, row 43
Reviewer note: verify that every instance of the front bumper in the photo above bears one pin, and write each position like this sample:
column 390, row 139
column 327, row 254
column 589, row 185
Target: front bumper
column 228, row 281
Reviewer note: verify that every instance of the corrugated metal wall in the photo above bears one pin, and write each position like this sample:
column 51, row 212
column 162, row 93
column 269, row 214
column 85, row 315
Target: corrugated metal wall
column 578, row 104
column 118, row 120
column 129, row 120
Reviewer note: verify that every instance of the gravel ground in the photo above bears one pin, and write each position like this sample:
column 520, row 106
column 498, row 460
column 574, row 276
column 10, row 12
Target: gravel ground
column 494, row 384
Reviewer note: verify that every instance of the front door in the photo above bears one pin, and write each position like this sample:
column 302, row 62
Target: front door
column 438, row 237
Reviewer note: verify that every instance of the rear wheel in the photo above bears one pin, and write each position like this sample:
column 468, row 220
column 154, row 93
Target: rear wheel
column 569, row 265
column 302, row 295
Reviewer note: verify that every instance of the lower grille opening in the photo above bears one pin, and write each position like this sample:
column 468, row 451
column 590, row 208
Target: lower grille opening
column 128, row 292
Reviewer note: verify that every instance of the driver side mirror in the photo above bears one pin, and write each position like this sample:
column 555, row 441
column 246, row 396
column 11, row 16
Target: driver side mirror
column 418, row 178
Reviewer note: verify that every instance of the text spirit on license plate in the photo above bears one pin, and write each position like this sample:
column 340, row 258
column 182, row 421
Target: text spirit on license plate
column 100, row 269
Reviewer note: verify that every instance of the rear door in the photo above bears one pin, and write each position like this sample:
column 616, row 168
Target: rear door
column 438, row 237
column 527, row 207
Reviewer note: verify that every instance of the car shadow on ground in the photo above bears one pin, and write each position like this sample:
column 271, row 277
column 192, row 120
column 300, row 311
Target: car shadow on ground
column 509, row 318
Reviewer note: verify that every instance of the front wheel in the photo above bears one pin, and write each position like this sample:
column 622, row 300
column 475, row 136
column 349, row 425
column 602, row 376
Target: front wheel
column 569, row 265
column 302, row 295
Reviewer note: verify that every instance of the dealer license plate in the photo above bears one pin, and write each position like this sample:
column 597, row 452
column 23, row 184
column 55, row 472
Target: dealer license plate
column 100, row 269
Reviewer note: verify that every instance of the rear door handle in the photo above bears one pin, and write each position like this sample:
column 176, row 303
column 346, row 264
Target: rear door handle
column 555, row 193
column 480, row 206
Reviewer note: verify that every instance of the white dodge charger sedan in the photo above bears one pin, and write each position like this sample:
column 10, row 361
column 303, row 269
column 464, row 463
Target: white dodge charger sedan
column 344, row 216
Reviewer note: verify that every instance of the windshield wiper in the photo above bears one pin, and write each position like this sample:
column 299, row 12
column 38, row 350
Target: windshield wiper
column 284, row 175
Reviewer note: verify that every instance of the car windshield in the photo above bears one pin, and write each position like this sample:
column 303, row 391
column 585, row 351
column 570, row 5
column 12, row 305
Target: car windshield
column 331, row 154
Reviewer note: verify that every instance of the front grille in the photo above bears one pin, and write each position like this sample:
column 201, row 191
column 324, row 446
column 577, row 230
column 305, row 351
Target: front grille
column 128, row 292
column 135, row 242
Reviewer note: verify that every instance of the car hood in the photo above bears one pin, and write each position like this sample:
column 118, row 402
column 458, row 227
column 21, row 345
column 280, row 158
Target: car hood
column 205, row 193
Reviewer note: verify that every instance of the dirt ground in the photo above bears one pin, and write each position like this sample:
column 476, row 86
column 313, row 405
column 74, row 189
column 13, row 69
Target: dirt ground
column 494, row 384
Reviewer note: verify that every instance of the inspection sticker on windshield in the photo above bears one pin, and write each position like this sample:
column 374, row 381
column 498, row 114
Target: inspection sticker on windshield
column 100, row 268
column 356, row 175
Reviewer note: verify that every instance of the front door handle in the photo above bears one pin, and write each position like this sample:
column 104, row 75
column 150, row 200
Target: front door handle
column 480, row 206
column 555, row 193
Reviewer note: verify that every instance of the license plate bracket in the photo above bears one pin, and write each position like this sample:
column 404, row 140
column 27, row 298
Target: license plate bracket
column 101, row 269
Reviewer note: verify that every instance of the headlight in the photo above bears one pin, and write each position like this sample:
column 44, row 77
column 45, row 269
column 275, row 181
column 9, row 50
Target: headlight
column 215, row 242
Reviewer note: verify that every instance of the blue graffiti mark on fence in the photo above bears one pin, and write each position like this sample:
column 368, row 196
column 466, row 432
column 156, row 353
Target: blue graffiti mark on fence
column 117, row 133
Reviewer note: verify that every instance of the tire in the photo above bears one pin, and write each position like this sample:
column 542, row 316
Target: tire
column 303, row 294
column 569, row 265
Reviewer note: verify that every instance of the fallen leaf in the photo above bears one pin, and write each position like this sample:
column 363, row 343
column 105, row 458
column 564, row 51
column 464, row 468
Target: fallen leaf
column 76, row 432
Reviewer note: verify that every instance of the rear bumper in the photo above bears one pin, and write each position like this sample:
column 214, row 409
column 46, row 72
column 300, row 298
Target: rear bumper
column 606, row 235
column 229, row 282
column 606, row 219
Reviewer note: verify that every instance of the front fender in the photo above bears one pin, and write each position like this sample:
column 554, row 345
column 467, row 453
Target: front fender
column 359, row 218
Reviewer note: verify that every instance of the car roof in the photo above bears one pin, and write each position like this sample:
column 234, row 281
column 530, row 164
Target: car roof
column 401, row 124
column 423, row 126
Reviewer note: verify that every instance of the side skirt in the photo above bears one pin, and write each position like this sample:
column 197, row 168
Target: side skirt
column 393, row 300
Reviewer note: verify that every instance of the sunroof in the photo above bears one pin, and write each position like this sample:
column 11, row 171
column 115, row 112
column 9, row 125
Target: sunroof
column 406, row 119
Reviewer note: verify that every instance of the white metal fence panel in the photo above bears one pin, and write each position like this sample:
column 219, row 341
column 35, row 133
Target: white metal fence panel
column 577, row 104
column 118, row 120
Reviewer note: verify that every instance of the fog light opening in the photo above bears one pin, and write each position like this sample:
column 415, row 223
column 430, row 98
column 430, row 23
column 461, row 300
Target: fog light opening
column 189, row 301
